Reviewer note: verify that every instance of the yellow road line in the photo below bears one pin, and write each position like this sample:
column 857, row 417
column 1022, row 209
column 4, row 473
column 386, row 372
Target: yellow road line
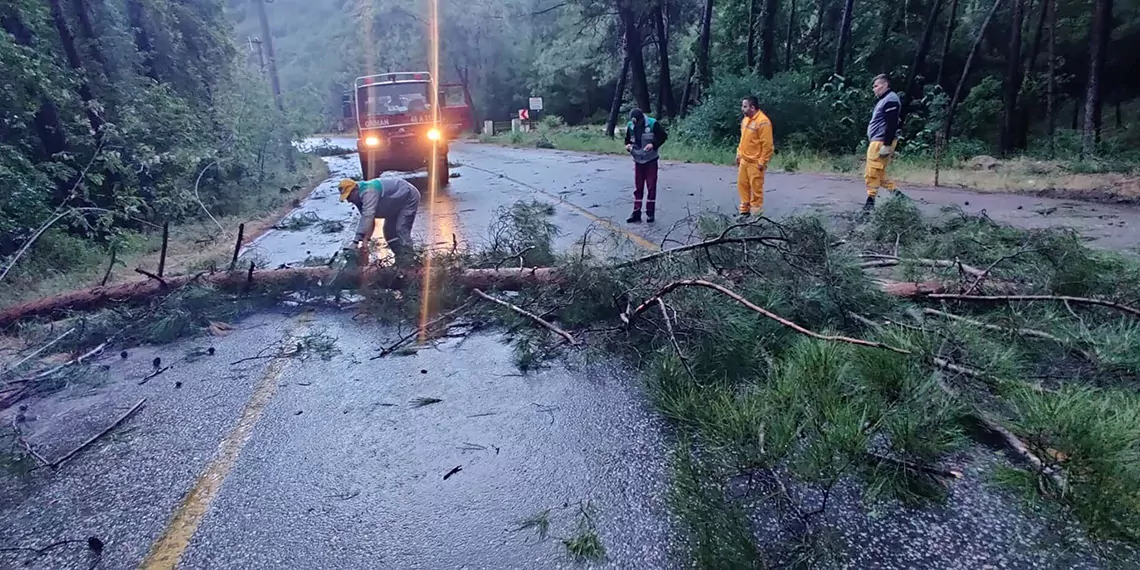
column 641, row 241
column 168, row 550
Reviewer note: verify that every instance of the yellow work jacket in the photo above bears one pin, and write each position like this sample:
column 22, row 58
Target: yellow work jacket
column 755, row 139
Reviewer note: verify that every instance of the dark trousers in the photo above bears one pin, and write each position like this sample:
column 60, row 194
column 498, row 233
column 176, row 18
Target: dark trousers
column 645, row 175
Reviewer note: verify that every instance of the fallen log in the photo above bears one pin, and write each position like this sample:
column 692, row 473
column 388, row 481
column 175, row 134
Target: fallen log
column 275, row 279
column 310, row 278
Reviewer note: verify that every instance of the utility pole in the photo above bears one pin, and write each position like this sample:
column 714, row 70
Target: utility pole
column 267, row 40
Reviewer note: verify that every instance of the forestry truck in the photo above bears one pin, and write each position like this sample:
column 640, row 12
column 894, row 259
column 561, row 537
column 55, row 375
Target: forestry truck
column 395, row 125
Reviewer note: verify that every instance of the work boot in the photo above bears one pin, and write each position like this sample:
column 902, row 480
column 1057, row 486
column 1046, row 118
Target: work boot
column 869, row 205
column 744, row 216
column 649, row 218
column 634, row 218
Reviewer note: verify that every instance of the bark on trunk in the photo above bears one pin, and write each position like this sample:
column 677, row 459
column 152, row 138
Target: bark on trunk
column 750, row 53
column 768, row 39
column 966, row 70
column 137, row 18
column 47, row 124
column 619, row 93
column 1012, row 80
column 817, row 47
column 791, row 34
column 1022, row 139
column 633, row 50
column 687, row 92
column 667, row 105
column 1050, row 97
column 920, row 55
column 951, row 19
column 844, row 34
column 76, row 63
column 1100, row 30
column 704, row 75
column 312, row 279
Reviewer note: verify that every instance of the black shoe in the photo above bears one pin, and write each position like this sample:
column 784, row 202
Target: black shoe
column 649, row 218
column 744, row 216
column 634, row 218
column 869, row 204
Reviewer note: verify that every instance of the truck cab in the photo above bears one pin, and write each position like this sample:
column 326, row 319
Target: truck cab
column 397, row 129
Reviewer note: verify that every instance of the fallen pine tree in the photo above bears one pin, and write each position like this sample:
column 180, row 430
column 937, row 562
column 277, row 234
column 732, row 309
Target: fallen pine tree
column 788, row 353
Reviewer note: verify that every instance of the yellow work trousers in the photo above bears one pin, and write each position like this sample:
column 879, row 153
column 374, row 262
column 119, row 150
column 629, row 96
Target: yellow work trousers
column 876, row 174
column 750, row 184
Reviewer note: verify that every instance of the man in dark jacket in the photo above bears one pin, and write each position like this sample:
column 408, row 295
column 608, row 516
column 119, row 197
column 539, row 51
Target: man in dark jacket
column 643, row 138
column 393, row 199
column 882, row 132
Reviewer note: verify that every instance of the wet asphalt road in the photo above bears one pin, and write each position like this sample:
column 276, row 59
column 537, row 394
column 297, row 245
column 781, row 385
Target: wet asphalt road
column 315, row 463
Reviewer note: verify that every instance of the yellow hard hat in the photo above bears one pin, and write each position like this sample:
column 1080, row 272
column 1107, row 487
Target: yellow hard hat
column 346, row 186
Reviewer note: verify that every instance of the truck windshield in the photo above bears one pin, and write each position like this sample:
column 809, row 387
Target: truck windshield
column 393, row 98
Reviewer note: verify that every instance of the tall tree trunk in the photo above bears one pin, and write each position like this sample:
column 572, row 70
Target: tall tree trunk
column 1050, row 97
column 619, row 93
column 46, row 121
column 633, row 50
column 1099, row 33
column 966, row 71
column 768, row 38
column 687, row 92
column 1012, row 85
column 817, row 47
column 137, row 20
column 82, row 15
column 704, row 73
column 951, row 19
column 1022, row 139
column 791, row 34
column 920, row 55
column 844, row 36
column 667, row 105
column 750, row 51
column 73, row 60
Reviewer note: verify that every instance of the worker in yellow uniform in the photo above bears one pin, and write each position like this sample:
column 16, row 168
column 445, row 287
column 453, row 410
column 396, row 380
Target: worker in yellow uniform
column 752, row 155
column 882, row 132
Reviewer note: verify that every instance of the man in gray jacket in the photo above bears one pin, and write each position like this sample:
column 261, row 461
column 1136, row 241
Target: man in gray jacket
column 882, row 131
column 393, row 199
column 643, row 138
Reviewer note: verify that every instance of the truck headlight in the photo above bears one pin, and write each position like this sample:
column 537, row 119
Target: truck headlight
column 433, row 134
column 372, row 141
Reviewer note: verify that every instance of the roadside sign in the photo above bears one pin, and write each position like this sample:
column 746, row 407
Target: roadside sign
column 536, row 103
column 524, row 115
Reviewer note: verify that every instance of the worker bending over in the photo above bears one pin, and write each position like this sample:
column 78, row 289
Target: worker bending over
column 882, row 131
column 393, row 199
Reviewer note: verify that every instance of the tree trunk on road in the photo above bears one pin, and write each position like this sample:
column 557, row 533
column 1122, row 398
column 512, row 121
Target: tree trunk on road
column 1012, row 85
column 844, row 37
column 966, row 70
column 619, row 92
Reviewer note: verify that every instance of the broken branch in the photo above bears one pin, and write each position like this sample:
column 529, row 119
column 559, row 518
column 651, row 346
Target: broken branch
column 879, row 260
column 529, row 315
column 916, row 466
column 1024, row 332
column 1029, row 298
column 96, row 437
column 785, row 322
